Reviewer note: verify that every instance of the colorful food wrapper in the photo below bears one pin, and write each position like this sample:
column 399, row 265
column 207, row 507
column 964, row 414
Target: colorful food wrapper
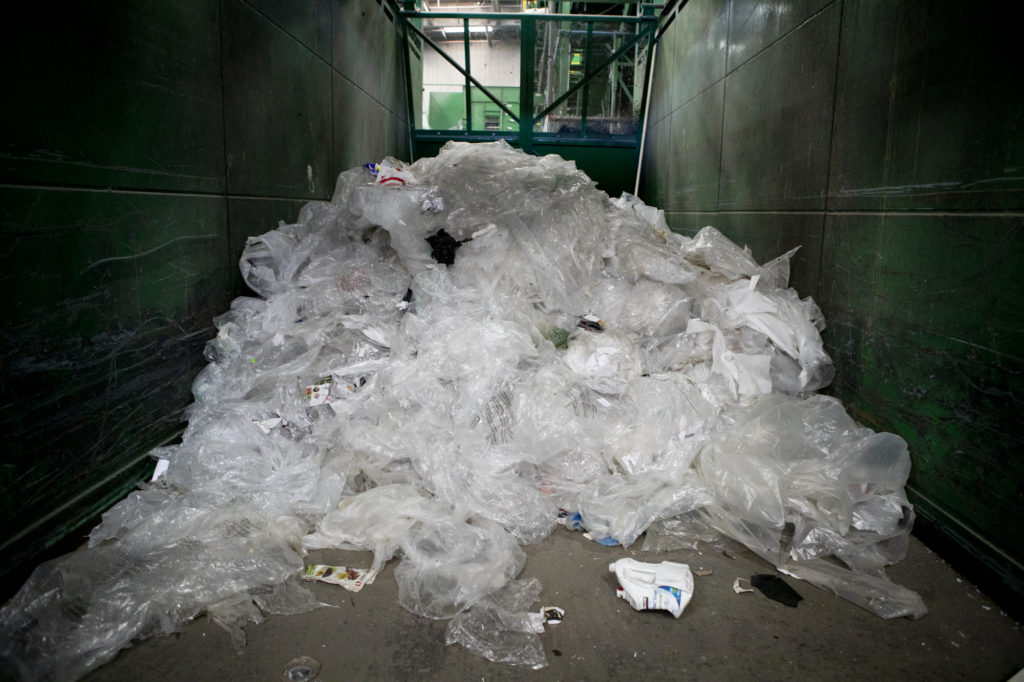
column 352, row 579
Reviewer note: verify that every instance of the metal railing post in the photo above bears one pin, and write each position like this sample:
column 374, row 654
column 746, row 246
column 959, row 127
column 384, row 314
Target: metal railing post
column 527, row 48
column 585, row 95
column 469, row 96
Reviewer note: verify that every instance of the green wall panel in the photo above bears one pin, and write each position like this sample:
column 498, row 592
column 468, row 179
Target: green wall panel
column 389, row 66
column 401, row 139
column 693, row 172
column 756, row 24
column 945, row 275
column 360, row 126
column 277, row 110
column 929, row 110
column 358, row 44
column 927, row 330
column 309, row 22
column 661, row 103
column 110, row 301
column 654, row 171
column 699, row 49
column 117, row 94
column 778, row 121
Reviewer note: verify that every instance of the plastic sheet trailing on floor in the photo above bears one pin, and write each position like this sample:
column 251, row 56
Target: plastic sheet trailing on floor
column 575, row 355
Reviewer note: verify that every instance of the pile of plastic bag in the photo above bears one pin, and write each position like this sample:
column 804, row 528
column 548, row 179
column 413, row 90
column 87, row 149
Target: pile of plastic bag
column 442, row 360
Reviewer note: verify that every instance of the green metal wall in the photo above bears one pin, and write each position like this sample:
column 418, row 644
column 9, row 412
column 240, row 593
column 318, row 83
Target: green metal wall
column 887, row 138
column 140, row 143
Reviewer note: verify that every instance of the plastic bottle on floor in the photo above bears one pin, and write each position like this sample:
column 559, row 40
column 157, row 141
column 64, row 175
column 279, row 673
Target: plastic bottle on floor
column 666, row 586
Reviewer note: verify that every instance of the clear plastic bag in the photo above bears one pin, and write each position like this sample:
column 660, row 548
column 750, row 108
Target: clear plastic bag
column 77, row 611
column 620, row 509
column 686, row 531
column 378, row 520
column 881, row 597
column 500, row 629
column 450, row 566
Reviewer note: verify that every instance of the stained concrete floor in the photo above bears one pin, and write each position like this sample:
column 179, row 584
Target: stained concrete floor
column 721, row 635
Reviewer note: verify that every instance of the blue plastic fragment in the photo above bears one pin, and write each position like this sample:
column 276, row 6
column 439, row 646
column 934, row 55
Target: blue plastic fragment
column 572, row 521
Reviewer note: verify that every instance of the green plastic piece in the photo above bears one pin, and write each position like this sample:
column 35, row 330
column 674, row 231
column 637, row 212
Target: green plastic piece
column 559, row 337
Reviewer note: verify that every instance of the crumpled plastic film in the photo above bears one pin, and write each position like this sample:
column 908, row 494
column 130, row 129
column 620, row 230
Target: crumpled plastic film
column 77, row 611
column 378, row 520
column 499, row 628
column 877, row 595
column 438, row 363
column 450, row 566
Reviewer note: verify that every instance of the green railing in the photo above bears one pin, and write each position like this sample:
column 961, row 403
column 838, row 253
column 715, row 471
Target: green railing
column 532, row 79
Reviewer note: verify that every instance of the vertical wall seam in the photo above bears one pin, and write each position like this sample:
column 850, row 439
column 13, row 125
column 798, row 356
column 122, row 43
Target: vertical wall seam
column 224, row 131
column 835, row 100
column 334, row 115
column 725, row 91
column 831, row 148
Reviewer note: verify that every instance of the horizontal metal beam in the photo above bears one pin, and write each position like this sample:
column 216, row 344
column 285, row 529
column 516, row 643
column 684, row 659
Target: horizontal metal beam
column 423, row 135
column 492, row 16
column 554, row 139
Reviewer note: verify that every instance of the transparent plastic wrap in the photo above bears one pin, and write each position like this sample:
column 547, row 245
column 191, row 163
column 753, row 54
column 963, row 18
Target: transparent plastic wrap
column 620, row 509
column 714, row 251
column 605, row 362
column 450, row 566
column 238, row 610
column 378, row 520
column 783, row 318
column 439, row 360
column 491, row 484
column 77, row 611
column 797, row 479
column 640, row 245
column 881, row 597
column 499, row 627
column 686, row 531
column 647, row 309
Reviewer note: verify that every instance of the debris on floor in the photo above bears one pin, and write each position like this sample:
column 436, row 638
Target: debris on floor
column 552, row 615
column 738, row 588
column 301, row 669
column 437, row 361
column 666, row 586
column 776, row 589
column 352, row 579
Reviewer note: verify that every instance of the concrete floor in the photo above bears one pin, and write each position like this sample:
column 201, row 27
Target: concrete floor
column 720, row 636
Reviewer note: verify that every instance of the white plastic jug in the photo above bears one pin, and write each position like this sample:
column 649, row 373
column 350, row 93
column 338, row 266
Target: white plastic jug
column 666, row 586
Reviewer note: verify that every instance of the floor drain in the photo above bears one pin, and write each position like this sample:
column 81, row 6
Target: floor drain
column 301, row 669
